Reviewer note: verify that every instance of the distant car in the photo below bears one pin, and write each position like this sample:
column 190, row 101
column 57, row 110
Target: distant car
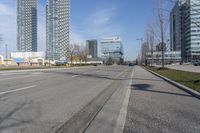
column 130, row 64
column 60, row 63
column 196, row 63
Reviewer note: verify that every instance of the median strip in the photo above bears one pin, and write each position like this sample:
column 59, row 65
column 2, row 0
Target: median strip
column 80, row 121
column 123, row 112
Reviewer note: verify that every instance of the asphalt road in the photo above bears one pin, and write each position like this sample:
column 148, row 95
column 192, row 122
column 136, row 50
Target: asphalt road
column 94, row 100
column 156, row 106
column 60, row 100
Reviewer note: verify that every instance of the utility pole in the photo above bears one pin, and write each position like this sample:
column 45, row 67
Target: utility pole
column 162, row 39
column 142, row 52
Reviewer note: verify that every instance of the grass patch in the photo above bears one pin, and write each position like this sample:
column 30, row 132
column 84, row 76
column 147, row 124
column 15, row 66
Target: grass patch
column 189, row 79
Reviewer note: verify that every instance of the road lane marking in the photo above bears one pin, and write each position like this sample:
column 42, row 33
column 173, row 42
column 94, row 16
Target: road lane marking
column 123, row 111
column 7, row 74
column 37, row 73
column 17, row 77
column 15, row 90
column 75, row 76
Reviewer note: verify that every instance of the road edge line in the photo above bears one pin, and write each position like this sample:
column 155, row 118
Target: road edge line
column 124, row 109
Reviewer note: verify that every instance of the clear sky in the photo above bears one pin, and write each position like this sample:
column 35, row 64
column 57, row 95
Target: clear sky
column 90, row 19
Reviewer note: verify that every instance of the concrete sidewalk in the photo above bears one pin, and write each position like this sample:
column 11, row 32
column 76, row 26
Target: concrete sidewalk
column 157, row 106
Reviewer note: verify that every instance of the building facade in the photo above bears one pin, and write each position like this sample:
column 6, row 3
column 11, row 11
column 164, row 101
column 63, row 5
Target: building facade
column 169, row 56
column 185, row 29
column 159, row 47
column 175, row 28
column 91, row 46
column 27, row 25
column 57, row 29
column 112, row 48
column 1, row 60
column 28, row 58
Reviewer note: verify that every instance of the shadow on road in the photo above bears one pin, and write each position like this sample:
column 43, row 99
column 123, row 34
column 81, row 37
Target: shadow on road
column 17, row 114
column 146, row 88
column 100, row 76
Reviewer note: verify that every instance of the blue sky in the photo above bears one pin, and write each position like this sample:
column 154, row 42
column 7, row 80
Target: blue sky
column 90, row 19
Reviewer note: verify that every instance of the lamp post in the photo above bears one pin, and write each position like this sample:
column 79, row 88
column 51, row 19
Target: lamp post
column 6, row 55
column 141, row 39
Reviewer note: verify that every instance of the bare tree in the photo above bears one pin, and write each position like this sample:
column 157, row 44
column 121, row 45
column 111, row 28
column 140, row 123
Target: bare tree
column 162, row 26
column 77, row 52
column 151, row 39
column 85, row 53
column 71, row 52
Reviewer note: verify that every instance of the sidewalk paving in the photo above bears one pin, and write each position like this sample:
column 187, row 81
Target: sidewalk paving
column 157, row 106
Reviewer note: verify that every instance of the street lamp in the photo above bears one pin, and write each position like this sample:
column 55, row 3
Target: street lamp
column 142, row 52
column 6, row 55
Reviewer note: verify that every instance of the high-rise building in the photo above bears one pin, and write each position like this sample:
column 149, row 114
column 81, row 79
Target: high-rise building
column 159, row 47
column 27, row 25
column 112, row 48
column 57, row 29
column 185, row 29
column 91, row 46
column 175, row 28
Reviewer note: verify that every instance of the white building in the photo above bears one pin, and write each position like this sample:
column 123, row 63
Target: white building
column 29, row 57
column 112, row 47
column 1, row 60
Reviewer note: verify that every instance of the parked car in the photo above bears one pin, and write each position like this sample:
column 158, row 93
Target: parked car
column 196, row 63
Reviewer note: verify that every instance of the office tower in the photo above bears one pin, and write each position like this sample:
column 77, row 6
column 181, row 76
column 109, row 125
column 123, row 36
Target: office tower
column 112, row 47
column 57, row 29
column 91, row 46
column 27, row 25
column 185, row 29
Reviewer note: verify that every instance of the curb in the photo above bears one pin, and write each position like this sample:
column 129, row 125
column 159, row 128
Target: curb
column 180, row 86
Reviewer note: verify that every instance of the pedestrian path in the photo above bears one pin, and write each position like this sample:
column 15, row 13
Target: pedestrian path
column 157, row 106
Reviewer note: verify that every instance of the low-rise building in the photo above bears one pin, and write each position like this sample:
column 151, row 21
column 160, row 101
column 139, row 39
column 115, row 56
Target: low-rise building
column 112, row 49
column 1, row 60
column 169, row 57
column 28, row 58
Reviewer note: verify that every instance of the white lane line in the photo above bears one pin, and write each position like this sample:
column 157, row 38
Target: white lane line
column 37, row 73
column 6, row 74
column 17, row 77
column 15, row 90
column 123, row 111
column 75, row 76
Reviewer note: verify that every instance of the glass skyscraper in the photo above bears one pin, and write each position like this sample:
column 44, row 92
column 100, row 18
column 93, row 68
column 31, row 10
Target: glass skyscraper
column 91, row 46
column 57, row 29
column 112, row 47
column 27, row 25
column 185, row 29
